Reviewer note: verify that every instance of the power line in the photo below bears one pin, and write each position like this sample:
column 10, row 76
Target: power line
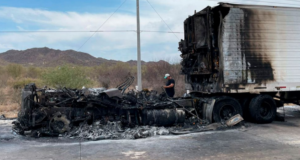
column 102, row 25
column 162, row 19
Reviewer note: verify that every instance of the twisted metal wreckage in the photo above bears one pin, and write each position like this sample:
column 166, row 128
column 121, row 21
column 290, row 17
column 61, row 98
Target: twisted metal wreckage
column 99, row 113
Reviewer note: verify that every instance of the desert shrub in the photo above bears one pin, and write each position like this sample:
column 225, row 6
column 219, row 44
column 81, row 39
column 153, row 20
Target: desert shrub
column 153, row 76
column 21, row 82
column 2, row 69
column 4, row 78
column 111, row 75
column 33, row 72
column 2, row 97
column 16, row 96
column 66, row 76
column 14, row 70
column 118, row 72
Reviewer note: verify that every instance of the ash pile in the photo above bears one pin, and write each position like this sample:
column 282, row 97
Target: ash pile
column 114, row 130
column 100, row 113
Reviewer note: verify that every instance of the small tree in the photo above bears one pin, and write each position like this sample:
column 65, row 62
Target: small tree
column 66, row 76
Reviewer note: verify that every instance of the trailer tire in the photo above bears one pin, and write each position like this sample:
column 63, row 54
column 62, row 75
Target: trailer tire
column 262, row 109
column 245, row 105
column 225, row 108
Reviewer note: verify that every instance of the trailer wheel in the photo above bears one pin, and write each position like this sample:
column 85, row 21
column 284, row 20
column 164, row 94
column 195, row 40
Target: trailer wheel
column 225, row 108
column 262, row 109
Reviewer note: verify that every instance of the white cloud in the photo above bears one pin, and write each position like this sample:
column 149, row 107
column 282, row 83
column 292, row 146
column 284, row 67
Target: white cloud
column 20, row 28
column 5, row 46
column 72, row 21
column 109, row 44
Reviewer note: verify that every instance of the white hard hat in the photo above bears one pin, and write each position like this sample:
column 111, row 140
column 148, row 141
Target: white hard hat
column 167, row 75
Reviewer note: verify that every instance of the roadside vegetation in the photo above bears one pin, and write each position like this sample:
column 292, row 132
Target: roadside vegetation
column 14, row 77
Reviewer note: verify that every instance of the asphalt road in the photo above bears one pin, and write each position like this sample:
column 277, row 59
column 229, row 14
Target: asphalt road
column 278, row 140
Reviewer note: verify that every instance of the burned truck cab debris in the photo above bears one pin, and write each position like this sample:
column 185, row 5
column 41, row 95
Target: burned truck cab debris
column 51, row 112
column 99, row 113
column 242, row 56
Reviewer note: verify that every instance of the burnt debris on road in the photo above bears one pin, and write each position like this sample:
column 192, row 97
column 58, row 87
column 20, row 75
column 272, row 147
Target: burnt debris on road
column 99, row 113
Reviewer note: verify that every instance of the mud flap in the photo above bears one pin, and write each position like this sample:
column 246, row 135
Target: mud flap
column 208, row 108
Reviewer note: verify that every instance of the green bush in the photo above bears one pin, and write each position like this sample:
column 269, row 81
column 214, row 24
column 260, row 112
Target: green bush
column 14, row 70
column 33, row 72
column 66, row 76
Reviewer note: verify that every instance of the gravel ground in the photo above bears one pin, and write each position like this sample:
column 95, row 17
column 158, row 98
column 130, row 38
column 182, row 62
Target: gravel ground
column 278, row 140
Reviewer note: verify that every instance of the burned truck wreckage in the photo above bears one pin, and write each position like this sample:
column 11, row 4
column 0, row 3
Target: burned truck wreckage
column 236, row 59
column 50, row 112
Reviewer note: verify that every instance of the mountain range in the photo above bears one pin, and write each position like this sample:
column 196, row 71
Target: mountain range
column 47, row 57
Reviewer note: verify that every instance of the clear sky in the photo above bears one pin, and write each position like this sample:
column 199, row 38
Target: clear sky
column 89, row 15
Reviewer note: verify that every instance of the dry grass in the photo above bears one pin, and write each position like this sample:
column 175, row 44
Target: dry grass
column 9, row 107
column 9, row 100
column 10, row 111
column 14, row 77
column 10, row 114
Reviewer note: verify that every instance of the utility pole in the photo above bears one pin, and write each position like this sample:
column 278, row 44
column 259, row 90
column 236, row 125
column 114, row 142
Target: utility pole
column 139, row 72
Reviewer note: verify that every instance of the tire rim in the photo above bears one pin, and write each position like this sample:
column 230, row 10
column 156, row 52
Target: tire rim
column 226, row 112
column 265, row 109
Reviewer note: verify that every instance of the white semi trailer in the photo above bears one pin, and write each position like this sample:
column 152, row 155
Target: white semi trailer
column 242, row 59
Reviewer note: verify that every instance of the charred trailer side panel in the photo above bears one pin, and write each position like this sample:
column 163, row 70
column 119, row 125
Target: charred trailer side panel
column 235, row 48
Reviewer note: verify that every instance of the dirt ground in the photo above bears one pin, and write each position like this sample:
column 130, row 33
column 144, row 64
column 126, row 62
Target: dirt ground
column 277, row 140
column 10, row 114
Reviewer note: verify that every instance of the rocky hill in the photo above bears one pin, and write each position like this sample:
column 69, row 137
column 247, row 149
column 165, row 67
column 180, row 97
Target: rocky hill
column 46, row 57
